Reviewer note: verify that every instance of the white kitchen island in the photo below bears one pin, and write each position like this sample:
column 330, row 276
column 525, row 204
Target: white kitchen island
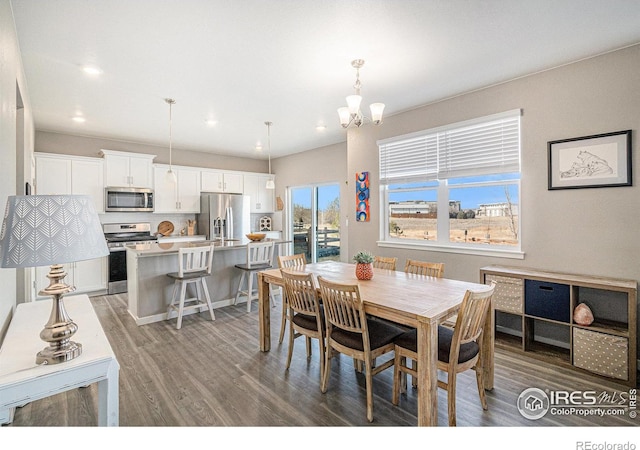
column 149, row 287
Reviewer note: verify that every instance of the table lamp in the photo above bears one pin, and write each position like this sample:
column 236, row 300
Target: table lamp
column 50, row 230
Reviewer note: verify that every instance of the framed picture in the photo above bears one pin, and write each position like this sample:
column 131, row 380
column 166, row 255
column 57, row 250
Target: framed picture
column 362, row 197
column 602, row 160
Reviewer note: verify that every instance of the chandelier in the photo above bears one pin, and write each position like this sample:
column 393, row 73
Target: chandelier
column 351, row 114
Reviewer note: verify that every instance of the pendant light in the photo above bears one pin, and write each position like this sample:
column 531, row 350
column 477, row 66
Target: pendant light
column 270, row 183
column 170, row 176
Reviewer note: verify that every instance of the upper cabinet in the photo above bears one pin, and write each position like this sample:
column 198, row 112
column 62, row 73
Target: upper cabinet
column 262, row 199
column 218, row 181
column 128, row 169
column 183, row 197
column 65, row 174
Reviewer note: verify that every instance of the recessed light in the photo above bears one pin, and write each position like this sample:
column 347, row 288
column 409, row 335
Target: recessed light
column 259, row 146
column 79, row 119
column 92, row 70
column 210, row 122
column 321, row 127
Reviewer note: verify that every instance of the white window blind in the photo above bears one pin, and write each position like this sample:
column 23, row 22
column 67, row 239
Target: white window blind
column 409, row 160
column 482, row 146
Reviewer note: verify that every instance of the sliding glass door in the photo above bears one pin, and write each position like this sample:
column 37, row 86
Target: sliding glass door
column 314, row 221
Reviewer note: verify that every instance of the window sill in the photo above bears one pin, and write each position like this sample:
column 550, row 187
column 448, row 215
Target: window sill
column 478, row 251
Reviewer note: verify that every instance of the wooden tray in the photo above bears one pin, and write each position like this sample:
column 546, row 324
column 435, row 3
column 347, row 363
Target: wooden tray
column 165, row 228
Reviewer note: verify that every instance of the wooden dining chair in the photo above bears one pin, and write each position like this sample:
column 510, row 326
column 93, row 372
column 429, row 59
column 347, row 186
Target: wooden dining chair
column 307, row 315
column 383, row 262
column 351, row 333
column 424, row 268
column 459, row 349
column 297, row 260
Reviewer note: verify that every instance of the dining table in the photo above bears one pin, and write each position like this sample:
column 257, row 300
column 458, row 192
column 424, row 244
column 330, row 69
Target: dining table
column 417, row 301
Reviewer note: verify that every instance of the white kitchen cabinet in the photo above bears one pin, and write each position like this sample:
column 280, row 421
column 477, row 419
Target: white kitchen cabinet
column 218, row 181
column 65, row 174
column 124, row 169
column 262, row 199
column 87, row 276
column 183, row 197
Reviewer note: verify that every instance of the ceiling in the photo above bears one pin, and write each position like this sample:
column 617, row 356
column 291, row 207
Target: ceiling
column 244, row 62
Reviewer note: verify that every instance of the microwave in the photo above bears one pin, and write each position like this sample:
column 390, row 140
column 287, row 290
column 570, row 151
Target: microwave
column 128, row 199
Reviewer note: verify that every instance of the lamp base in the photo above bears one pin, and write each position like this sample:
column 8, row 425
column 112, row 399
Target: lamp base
column 52, row 355
column 60, row 328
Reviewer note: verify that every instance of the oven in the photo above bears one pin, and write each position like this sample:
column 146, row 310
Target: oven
column 118, row 235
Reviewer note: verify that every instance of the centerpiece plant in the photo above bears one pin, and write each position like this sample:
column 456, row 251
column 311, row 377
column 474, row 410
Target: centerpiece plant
column 364, row 265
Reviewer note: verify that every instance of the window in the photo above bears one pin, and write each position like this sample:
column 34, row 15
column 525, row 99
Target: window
column 454, row 187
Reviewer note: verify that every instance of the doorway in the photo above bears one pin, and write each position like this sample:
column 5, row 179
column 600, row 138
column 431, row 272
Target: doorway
column 314, row 221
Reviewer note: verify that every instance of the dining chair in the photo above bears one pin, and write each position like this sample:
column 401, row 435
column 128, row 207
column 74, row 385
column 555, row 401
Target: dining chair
column 286, row 261
column 383, row 262
column 307, row 315
column 194, row 266
column 459, row 349
column 351, row 333
column 424, row 268
column 259, row 257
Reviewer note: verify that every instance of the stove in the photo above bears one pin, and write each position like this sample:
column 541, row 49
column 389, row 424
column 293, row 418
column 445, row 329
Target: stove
column 117, row 236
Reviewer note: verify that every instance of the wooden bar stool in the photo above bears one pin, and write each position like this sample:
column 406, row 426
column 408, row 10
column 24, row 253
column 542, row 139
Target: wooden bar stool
column 259, row 257
column 194, row 266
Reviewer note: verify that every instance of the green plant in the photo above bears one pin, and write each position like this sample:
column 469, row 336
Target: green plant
column 363, row 257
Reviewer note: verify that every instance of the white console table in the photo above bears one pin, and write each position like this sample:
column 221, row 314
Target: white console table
column 22, row 381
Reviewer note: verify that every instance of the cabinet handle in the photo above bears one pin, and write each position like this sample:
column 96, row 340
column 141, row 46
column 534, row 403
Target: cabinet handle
column 225, row 186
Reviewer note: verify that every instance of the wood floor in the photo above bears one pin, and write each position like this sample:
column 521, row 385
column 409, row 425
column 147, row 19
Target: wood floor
column 213, row 374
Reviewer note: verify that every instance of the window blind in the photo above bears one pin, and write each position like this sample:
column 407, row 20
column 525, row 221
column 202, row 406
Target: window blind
column 482, row 146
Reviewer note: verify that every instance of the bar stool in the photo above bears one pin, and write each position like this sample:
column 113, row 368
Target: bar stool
column 259, row 257
column 194, row 265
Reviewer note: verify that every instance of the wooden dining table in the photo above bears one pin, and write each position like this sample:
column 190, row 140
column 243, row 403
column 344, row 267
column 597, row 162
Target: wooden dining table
column 418, row 301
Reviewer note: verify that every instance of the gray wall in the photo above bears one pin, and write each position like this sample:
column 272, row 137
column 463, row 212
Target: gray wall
column 49, row 142
column 322, row 165
column 12, row 80
column 587, row 231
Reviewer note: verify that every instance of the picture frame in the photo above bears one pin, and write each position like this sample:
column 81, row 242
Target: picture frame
column 363, row 213
column 601, row 160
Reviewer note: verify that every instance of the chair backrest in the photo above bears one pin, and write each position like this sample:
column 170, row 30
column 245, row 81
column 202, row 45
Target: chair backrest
column 195, row 259
column 259, row 254
column 301, row 292
column 471, row 317
column 424, row 268
column 343, row 307
column 297, row 260
column 383, row 262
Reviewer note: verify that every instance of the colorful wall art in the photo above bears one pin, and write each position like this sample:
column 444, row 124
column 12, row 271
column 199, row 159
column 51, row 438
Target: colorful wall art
column 362, row 197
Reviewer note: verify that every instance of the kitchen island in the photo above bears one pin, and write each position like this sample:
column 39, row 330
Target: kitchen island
column 149, row 287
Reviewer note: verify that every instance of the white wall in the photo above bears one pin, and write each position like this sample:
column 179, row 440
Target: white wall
column 11, row 79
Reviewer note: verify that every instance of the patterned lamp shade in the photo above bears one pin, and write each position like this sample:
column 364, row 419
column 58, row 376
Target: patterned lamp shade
column 42, row 230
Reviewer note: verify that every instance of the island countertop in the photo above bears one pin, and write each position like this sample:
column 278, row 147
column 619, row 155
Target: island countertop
column 166, row 248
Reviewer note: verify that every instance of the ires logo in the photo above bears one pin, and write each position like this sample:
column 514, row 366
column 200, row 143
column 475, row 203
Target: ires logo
column 534, row 403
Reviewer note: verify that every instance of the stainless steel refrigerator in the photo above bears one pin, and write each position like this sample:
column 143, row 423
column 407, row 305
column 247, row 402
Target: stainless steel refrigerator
column 224, row 216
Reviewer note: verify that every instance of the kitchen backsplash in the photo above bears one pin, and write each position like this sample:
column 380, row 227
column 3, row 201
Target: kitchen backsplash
column 179, row 220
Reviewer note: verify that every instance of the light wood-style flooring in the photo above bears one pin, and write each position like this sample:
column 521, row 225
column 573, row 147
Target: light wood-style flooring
column 213, row 374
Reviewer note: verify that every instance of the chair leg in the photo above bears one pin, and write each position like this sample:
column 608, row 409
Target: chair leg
column 249, row 291
column 239, row 291
column 323, row 350
column 481, row 393
column 414, row 381
column 208, row 297
column 451, row 398
column 183, row 292
column 369, row 383
column 174, row 300
column 327, row 369
column 397, row 360
column 283, row 324
column 291, row 339
column 308, row 347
